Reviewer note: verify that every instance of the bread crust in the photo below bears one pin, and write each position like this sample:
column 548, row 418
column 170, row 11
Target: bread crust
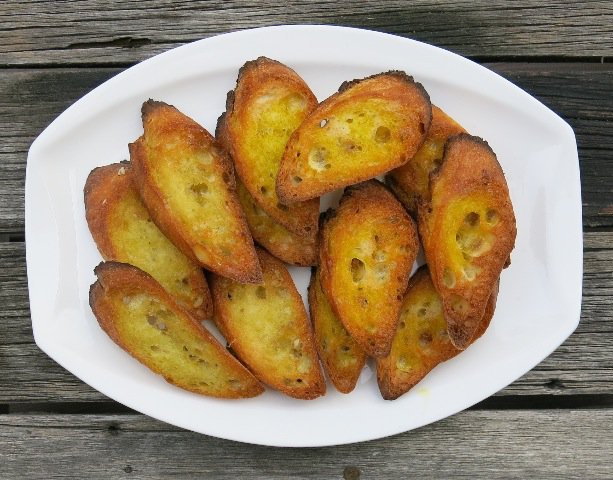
column 367, row 128
column 411, row 182
column 116, row 299
column 341, row 357
column 468, row 232
column 368, row 247
column 421, row 341
column 186, row 181
column 269, row 102
column 117, row 219
column 274, row 237
column 268, row 329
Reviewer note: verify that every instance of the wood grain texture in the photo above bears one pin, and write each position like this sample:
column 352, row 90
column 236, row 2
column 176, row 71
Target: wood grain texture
column 508, row 444
column 580, row 93
column 582, row 365
column 111, row 32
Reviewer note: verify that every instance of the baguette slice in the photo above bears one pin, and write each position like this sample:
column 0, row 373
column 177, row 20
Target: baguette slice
column 124, row 232
column 421, row 341
column 274, row 237
column 267, row 327
column 410, row 182
column 366, row 129
column 368, row 247
column 187, row 183
column 145, row 321
column 342, row 358
column 269, row 102
column 468, row 232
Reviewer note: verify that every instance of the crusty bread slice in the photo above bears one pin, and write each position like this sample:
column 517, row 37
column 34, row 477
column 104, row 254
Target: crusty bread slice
column 267, row 327
column 274, row 237
column 468, row 232
column 366, row 129
column 411, row 182
column 124, row 232
column 186, row 181
column 145, row 321
column 341, row 357
column 421, row 341
column 269, row 102
column 368, row 247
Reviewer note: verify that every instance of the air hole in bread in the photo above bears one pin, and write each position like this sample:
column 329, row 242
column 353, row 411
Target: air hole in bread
column 260, row 292
column 296, row 179
column 472, row 219
column 345, row 348
column 263, row 190
column 470, row 272
column 280, row 206
column 458, row 304
column 199, row 188
column 349, row 120
column 402, row 324
column 154, row 321
column 492, row 217
column 422, row 127
column 421, row 312
column 425, row 339
column 358, row 269
column 448, row 278
column 383, row 134
column 317, row 159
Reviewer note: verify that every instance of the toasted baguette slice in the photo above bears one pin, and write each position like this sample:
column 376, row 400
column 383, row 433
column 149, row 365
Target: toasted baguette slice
column 123, row 231
column 468, row 232
column 267, row 327
column 410, row 182
column 421, row 341
column 274, row 237
column 368, row 128
column 367, row 251
column 187, row 183
column 341, row 356
column 269, row 102
column 145, row 321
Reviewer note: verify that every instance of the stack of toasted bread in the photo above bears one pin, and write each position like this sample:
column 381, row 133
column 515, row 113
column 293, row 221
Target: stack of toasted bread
column 191, row 210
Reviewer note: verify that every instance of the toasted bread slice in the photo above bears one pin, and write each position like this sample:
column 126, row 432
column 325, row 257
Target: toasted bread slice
column 421, row 341
column 341, row 356
column 468, row 232
column 411, row 182
column 124, row 232
column 144, row 320
column 187, row 183
column 368, row 128
column 274, row 237
column 269, row 102
column 267, row 327
column 368, row 247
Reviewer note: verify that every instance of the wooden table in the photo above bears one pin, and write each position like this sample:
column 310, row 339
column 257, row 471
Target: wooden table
column 555, row 422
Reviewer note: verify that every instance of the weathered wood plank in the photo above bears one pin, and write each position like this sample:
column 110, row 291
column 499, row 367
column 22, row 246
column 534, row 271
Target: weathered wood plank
column 104, row 32
column 31, row 99
column 582, row 365
column 472, row 444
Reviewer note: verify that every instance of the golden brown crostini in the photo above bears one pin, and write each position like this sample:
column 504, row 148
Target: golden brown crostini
column 186, row 181
column 369, row 127
column 269, row 102
column 468, row 232
column 267, row 327
column 368, row 247
column 145, row 321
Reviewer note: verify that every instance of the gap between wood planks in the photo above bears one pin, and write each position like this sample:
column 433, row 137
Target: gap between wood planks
column 509, row 402
column 477, row 59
